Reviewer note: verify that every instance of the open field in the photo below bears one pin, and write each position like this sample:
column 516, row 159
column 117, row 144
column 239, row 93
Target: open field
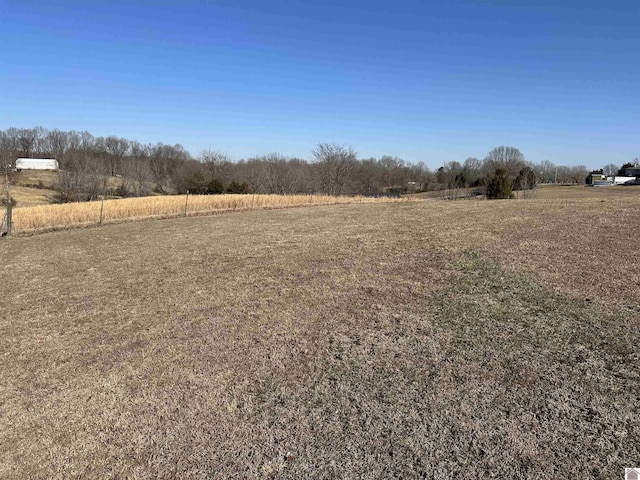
column 402, row 340
column 31, row 197
column 544, row 192
column 50, row 217
column 444, row 194
column 554, row 192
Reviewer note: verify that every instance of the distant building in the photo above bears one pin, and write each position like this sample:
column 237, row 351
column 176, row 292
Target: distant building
column 618, row 180
column 36, row 164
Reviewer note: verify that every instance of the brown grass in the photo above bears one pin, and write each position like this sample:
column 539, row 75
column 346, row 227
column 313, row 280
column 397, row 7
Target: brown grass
column 356, row 341
column 579, row 244
column 545, row 192
column 37, row 178
column 444, row 194
column 48, row 217
column 567, row 192
column 31, row 197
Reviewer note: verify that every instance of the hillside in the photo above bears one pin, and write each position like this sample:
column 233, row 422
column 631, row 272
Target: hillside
column 41, row 187
column 33, row 187
column 408, row 340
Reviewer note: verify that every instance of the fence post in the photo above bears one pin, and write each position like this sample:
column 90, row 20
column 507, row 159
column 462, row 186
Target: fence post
column 310, row 198
column 186, row 203
column 101, row 209
column 253, row 199
column 9, row 211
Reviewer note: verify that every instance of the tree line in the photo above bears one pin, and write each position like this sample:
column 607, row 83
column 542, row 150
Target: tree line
column 86, row 162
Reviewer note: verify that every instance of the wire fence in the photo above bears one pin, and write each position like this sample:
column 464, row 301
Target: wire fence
column 61, row 216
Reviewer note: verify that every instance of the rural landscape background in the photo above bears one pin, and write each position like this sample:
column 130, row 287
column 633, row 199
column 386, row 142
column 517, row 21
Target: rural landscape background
column 111, row 165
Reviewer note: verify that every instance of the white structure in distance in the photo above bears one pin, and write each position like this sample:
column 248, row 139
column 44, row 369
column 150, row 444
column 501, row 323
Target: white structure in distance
column 36, row 164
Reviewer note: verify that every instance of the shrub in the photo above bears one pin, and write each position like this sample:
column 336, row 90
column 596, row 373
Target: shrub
column 499, row 186
column 526, row 179
column 215, row 187
column 123, row 190
column 624, row 166
column 201, row 184
column 237, row 187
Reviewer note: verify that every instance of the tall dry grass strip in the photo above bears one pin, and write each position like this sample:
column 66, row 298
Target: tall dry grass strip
column 52, row 217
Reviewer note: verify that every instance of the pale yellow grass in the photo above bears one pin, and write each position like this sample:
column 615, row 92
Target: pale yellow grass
column 552, row 192
column 43, row 178
column 47, row 217
column 30, row 197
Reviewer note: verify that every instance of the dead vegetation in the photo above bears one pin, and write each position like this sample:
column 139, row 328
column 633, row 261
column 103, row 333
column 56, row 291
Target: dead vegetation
column 581, row 248
column 569, row 192
column 359, row 341
column 68, row 215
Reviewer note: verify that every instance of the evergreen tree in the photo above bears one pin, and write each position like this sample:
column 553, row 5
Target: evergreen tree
column 499, row 186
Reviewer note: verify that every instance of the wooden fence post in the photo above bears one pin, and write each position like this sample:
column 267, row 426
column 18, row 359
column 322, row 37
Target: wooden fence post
column 9, row 211
column 186, row 203
column 101, row 209
column 9, row 222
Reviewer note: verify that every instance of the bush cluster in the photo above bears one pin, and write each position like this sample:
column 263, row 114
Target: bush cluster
column 499, row 186
column 200, row 183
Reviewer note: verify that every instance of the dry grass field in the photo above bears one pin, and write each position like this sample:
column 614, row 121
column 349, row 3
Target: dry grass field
column 31, row 197
column 543, row 191
column 402, row 340
column 51, row 217
column 37, row 178
column 32, row 188
column 555, row 192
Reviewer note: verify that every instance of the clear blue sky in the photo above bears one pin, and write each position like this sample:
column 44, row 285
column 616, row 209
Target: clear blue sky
column 429, row 81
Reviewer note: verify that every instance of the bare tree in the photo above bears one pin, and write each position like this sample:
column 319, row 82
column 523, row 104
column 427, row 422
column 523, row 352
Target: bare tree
column 166, row 161
column 578, row 173
column 137, row 172
column 509, row 158
column 116, row 148
column 546, row 171
column 472, row 169
column 56, row 145
column 392, row 172
column 368, row 177
column 80, row 179
column 422, row 175
column 336, row 167
column 610, row 170
column 279, row 176
column 27, row 140
column 525, row 182
column 216, row 163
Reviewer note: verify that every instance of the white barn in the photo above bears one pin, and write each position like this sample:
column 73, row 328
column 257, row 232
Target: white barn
column 36, row 164
column 617, row 180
